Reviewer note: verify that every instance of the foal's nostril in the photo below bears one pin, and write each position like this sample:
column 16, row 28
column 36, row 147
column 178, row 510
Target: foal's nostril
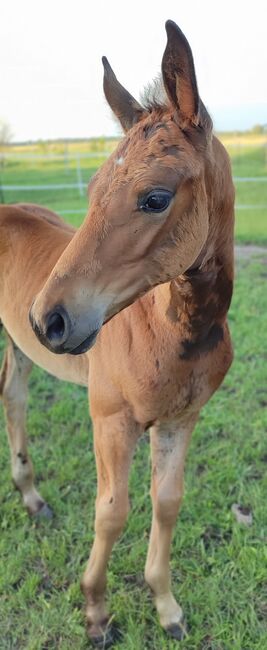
column 57, row 326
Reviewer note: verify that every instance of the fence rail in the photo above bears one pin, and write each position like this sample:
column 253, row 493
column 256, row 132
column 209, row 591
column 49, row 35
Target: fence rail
column 54, row 156
column 81, row 186
column 237, row 207
column 37, row 188
column 78, row 185
column 73, row 186
column 250, row 179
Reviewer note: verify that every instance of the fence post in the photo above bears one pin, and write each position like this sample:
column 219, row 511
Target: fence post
column 66, row 158
column 79, row 175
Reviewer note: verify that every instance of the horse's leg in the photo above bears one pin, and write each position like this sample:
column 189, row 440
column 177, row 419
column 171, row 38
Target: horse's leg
column 115, row 439
column 169, row 443
column 14, row 375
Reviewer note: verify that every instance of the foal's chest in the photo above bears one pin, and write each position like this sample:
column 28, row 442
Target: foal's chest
column 166, row 388
column 157, row 383
column 145, row 370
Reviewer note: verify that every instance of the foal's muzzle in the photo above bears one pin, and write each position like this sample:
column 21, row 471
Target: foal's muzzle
column 59, row 334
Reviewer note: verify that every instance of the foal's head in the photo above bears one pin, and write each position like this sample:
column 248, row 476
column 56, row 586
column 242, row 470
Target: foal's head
column 148, row 216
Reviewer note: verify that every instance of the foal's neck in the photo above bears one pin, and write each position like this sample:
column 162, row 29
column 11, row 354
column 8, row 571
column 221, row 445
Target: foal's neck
column 195, row 305
column 197, row 301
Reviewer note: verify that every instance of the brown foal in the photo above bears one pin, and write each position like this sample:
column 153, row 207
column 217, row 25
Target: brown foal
column 145, row 284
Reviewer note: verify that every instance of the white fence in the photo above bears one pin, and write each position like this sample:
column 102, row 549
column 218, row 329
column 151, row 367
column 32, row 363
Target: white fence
column 79, row 185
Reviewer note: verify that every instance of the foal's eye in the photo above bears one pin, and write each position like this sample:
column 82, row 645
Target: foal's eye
column 155, row 201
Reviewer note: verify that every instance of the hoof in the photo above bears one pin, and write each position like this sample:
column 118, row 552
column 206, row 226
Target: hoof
column 110, row 636
column 45, row 512
column 177, row 630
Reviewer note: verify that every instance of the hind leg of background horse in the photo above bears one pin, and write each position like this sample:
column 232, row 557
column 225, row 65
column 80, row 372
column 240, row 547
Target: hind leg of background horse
column 169, row 443
column 115, row 439
column 14, row 387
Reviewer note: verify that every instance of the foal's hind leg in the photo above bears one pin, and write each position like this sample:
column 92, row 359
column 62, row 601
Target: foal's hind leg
column 13, row 389
column 169, row 443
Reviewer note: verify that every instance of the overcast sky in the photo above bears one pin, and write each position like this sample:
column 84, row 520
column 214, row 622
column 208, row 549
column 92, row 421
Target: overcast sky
column 51, row 71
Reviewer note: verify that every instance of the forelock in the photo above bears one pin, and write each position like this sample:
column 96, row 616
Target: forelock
column 154, row 97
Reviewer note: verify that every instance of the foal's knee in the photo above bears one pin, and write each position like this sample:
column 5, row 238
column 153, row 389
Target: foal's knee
column 111, row 514
column 166, row 506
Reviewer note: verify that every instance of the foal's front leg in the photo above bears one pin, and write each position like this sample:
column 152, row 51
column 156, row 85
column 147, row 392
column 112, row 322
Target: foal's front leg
column 169, row 444
column 115, row 438
column 14, row 376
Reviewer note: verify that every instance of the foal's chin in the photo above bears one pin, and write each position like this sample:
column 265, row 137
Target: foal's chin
column 87, row 344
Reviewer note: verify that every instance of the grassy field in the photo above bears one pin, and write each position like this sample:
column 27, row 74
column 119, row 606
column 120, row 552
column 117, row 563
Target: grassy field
column 251, row 223
column 248, row 155
column 219, row 567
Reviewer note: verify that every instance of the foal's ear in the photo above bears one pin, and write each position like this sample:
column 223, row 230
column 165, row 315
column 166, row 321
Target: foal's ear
column 125, row 107
column 179, row 75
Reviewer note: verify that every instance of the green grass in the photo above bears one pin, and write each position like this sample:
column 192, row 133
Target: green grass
column 219, row 567
column 38, row 172
column 251, row 224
